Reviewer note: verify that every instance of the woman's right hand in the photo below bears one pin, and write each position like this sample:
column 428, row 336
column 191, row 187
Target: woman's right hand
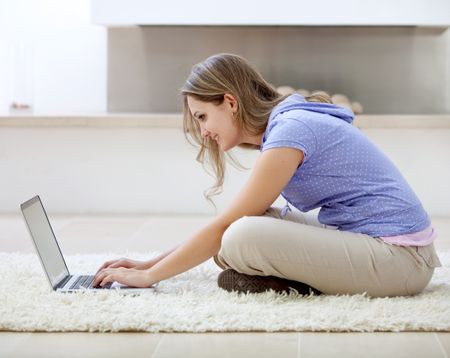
column 126, row 263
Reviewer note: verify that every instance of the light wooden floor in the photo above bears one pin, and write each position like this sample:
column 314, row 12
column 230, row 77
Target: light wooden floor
column 81, row 234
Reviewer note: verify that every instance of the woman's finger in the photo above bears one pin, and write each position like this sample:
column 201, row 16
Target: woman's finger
column 118, row 263
column 109, row 278
column 114, row 263
column 107, row 264
column 99, row 277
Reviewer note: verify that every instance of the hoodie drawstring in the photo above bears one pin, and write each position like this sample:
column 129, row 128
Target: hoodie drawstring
column 285, row 210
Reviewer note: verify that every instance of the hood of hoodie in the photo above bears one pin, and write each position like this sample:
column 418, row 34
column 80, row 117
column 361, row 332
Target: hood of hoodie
column 297, row 101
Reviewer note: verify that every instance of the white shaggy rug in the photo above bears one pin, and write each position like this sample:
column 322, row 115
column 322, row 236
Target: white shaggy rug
column 192, row 302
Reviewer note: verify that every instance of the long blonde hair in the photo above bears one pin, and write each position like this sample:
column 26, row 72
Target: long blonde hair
column 209, row 81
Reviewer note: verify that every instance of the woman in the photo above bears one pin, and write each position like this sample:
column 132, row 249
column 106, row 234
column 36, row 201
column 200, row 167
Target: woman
column 371, row 235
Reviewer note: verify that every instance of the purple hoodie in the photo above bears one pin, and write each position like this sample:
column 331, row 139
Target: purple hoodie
column 356, row 185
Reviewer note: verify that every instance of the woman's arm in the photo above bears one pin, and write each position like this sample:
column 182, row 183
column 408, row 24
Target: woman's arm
column 203, row 245
column 152, row 262
column 135, row 264
column 272, row 172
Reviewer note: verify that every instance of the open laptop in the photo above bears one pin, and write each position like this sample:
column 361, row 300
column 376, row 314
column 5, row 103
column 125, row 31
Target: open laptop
column 51, row 257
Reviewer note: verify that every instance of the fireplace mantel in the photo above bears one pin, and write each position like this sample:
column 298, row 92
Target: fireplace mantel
column 433, row 13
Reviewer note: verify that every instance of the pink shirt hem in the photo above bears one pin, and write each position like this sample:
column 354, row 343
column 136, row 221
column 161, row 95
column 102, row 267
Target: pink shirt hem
column 421, row 238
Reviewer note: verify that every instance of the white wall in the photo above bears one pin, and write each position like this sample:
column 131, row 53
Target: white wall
column 67, row 54
column 153, row 170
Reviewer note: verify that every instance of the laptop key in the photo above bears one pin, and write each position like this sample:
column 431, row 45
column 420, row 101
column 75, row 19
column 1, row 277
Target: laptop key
column 84, row 281
column 63, row 282
column 107, row 286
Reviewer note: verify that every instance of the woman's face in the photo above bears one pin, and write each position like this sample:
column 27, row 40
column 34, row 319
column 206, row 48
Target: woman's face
column 217, row 121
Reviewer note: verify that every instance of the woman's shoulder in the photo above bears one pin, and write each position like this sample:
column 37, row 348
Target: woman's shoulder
column 302, row 120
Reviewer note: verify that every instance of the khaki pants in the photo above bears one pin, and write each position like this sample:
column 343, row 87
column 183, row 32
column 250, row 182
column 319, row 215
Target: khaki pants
column 299, row 248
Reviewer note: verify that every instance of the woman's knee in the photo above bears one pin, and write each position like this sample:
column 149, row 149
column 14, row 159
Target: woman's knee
column 239, row 233
column 417, row 281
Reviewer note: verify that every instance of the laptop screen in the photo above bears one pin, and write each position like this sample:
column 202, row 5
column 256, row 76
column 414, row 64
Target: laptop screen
column 44, row 240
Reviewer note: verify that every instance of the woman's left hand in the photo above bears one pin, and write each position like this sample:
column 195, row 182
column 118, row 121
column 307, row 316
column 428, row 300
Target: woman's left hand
column 126, row 276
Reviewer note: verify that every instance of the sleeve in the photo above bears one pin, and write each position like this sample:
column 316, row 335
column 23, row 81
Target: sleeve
column 292, row 133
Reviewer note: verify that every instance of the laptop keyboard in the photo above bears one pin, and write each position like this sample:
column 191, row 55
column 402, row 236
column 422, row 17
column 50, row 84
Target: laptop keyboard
column 63, row 282
column 86, row 282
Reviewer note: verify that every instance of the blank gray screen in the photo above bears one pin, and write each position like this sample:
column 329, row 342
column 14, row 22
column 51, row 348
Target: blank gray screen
column 45, row 241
